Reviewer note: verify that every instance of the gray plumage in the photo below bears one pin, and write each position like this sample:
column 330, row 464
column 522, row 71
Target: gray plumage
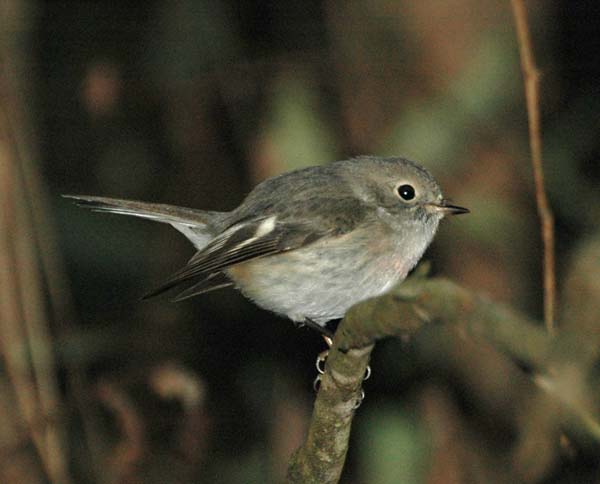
column 307, row 244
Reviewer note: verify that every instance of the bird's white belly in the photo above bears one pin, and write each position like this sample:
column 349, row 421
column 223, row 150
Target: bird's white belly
column 322, row 281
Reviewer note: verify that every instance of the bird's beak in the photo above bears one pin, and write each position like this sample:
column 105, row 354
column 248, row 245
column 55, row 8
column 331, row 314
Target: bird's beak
column 447, row 209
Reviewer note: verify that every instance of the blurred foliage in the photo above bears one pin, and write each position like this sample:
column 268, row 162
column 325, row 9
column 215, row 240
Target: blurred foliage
column 192, row 103
column 294, row 119
column 393, row 446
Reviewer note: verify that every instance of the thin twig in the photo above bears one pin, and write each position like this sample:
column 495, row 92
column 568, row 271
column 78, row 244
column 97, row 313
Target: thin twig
column 32, row 367
column 531, row 76
column 52, row 274
column 13, row 347
column 35, row 324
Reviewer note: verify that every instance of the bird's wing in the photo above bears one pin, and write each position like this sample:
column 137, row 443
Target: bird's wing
column 216, row 280
column 253, row 237
column 243, row 241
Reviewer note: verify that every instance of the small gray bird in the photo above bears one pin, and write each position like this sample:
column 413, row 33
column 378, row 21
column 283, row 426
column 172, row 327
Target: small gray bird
column 310, row 243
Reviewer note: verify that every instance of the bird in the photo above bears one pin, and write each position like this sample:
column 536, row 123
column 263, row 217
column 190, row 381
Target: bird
column 307, row 244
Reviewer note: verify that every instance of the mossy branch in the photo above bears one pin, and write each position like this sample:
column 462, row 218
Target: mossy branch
column 404, row 311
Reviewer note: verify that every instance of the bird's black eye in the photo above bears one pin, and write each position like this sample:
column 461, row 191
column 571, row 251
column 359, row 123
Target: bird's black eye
column 406, row 192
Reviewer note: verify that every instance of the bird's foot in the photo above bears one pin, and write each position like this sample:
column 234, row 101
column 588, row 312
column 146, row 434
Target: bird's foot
column 320, row 365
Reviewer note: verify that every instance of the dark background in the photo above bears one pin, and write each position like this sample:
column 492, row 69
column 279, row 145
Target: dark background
column 193, row 103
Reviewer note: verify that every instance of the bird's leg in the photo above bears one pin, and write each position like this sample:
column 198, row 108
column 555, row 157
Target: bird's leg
column 321, row 329
column 328, row 337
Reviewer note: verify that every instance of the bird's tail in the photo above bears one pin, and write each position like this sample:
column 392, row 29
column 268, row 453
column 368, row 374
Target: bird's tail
column 199, row 226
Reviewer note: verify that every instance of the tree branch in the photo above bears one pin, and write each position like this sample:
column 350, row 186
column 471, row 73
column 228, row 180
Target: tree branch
column 405, row 310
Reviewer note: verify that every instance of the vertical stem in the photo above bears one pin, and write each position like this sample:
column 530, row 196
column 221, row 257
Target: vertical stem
column 26, row 342
column 531, row 76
